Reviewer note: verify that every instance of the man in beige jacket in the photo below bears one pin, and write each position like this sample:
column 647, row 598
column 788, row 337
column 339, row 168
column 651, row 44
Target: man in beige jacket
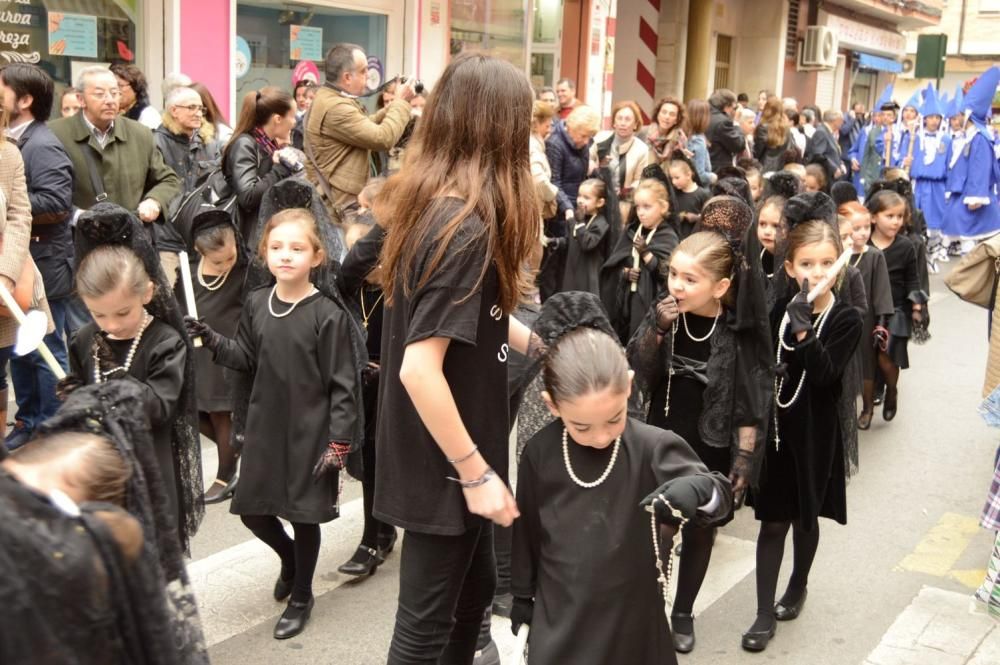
column 340, row 136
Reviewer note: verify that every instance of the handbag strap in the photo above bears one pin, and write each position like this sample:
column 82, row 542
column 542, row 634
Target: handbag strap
column 311, row 156
column 96, row 181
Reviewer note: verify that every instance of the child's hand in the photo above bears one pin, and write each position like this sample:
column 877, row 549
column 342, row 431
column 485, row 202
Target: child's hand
column 640, row 245
column 198, row 328
column 632, row 274
column 880, row 338
column 492, row 501
column 667, row 311
column 800, row 311
column 334, row 457
column 685, row 495
column 521, row 613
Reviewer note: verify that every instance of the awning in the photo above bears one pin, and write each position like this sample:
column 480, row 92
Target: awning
column 878, row 63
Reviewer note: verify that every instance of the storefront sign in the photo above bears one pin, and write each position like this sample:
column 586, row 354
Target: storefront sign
column 376, row 73
column 241, row 58
column 854, row 35
column 305, row 70
column 72, row 35
column 11, row 39
column 305, row 43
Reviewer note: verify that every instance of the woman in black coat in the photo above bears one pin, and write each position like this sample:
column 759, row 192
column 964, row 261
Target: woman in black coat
column 568, row 152
column 253, row 160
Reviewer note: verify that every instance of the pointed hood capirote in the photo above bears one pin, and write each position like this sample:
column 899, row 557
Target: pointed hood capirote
column 979, row 99
column 885, row 99
column 932, row 104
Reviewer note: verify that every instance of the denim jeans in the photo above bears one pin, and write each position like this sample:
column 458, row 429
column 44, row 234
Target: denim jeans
column 445, row 585
column 34, row 383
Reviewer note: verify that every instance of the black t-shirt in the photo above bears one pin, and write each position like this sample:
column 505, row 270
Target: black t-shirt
column 410, row 486
column 692, row 201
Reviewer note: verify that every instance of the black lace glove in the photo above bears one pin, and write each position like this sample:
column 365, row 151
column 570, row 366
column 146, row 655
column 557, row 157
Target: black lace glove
column 667, row 312
column 107, row 364
column 334, row 457
column 66, row 385
column 739, row 474
column 880, row 335
column 685, row 494
column 210, row 339
column 520, row 613
column 800, row 311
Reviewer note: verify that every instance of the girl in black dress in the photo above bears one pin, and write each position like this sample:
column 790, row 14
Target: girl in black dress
column 856, row 223
column 588, row 237
column 634, row 273
column 803, row 476
column 690, row 196
column 137, row 335
column 696, row 365
column 301, row 422
column 888, row 210
column 769, row 230
column 218, row 271
column 584, row 566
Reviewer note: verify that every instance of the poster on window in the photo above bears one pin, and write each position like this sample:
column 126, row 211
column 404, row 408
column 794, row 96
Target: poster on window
column 305, row 43
column 72, row 35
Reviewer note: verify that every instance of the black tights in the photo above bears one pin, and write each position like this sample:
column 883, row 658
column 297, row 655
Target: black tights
column 695, row 557
column 298, row 557
column 218, row 426
column 770, row 550
column 373, row 527
column 888, row 371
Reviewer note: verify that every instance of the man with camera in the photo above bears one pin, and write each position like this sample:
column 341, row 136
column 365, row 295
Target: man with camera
column 340, row 136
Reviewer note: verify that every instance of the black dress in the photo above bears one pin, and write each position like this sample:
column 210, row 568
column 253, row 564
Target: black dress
column 626, row 308
column 158, row 367
column 587, row 250
column 586, row 555
column 690, row 202
column 303, row 398
column 221, row 310
column 904, row 283
column 804, row 476
column 875, row 276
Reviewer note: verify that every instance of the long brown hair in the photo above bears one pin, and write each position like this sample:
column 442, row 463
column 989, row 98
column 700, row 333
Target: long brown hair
column 212, row 112
column 777, row 123
column 258, row 107
column 698, row 116
column 482, row 159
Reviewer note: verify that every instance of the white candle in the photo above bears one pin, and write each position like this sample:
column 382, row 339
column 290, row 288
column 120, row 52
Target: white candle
column 830, row 276
column 192, row 308
column 635, row 257
column 8, row 300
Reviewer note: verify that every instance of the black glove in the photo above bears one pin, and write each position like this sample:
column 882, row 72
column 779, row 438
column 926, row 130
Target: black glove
column 800, row 311
column 107, row 364
column 210, row 339
column 66, row 385
column 520, row 613
column 667, row 311
column 740, row 473
column 685, row 494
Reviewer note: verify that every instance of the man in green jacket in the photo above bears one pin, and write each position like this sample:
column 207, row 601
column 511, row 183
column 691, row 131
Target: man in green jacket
column 340, row 136
column 127, row 167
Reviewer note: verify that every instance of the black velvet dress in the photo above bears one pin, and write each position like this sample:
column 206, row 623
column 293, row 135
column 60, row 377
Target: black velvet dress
column 875, row 276
column 158, row 367
column 303, row 398
column 804, row 476
column 586, row 555
column 904, row 282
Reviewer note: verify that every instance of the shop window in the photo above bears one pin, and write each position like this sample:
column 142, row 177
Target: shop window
column 280, row 36
column 723, row 60
column 496, row 27
column 63, row 36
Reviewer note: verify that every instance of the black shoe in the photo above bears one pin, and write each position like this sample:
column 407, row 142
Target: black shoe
column 879, row 397
column 294, row 619
column 865, row 420
column 283, row 588
column 789, row 612
column 683, row 641
column 364, row 563
column 889, row 407
column 386, row 543
column 758, row 640
column 228, row 488
column 502, row 604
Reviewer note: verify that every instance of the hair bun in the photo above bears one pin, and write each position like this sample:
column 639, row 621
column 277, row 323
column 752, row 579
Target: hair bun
column 810, row 206
column 106, row 224
column 843, row 192
column 901, row 186
column 784, row 183
column 568, row 311
column 730, row 216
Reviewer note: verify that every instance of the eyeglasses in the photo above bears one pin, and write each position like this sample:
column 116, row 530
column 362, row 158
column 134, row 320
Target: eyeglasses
column 194, row 108
column 100, row 93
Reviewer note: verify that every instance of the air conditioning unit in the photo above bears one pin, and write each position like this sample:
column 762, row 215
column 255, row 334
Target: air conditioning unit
column 908, row 65
column 819, row 49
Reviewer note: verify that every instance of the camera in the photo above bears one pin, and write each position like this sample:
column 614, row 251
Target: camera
column 418, row 85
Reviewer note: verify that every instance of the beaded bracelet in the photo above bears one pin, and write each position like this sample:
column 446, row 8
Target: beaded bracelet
column 465, row 457
column 487, row 476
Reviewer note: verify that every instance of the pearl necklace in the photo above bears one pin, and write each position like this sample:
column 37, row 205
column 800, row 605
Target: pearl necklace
column 270, row 303
column 99, row 376
column 673, row 336
column 663, row 577
column 779, row 384
column 569, row 467
column 215, row 284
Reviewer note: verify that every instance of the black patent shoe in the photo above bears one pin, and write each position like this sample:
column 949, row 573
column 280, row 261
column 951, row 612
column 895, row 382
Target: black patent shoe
column 865, row 420
column 783, row 612
column 294, row 619
column 283, row 588
column 890, row 404
column 217, row 495
column 386, row 543
column 364, row 563
column 758, row 640
column 683, row 641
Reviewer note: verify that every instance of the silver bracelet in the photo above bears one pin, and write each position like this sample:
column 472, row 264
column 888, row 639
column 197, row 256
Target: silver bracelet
column 487, row 476
column 475, row 449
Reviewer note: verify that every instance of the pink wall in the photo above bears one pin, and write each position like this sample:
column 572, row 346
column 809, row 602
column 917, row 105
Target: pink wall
column 205, row 48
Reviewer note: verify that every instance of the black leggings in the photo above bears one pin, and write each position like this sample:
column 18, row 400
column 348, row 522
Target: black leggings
column 298, row 557
column 695, row 557
column 770, row 551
